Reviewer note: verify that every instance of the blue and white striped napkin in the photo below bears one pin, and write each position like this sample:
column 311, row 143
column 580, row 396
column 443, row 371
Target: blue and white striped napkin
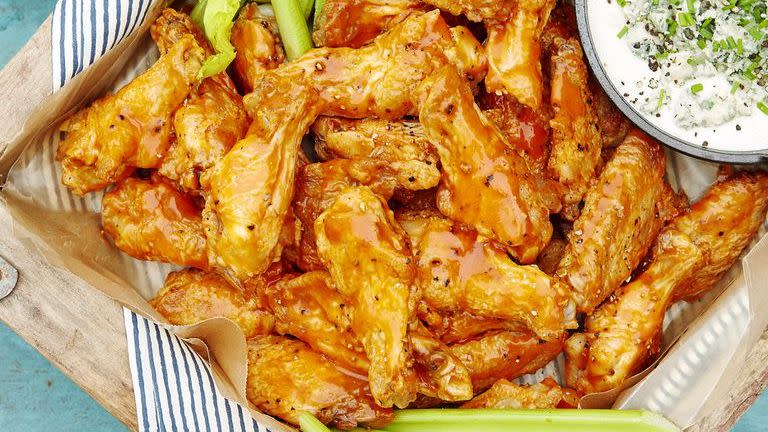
column 173, row 385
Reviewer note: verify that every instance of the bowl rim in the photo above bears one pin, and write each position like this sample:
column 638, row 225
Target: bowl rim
column 697, row 151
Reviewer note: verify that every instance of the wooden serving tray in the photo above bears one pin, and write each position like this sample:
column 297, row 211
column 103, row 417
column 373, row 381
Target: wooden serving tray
column 81, row 331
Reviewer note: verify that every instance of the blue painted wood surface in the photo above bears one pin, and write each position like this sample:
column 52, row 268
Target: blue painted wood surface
column 34, row 395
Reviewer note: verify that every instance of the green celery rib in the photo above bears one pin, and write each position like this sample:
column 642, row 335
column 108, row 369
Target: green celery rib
column 319, row 5
column 555, row 420
column 306, row 7
column 293, row 27
column 308, row 423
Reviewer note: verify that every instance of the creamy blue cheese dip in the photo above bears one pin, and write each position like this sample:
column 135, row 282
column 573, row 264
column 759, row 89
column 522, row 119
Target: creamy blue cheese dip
column 697, row 69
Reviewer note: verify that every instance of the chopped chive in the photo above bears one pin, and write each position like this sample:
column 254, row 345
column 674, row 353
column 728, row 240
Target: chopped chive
column 697, row 88
column 661, row 99
column 763, row 107
column 621, row 3
column 740, row 46
column 623, row 32
column 691, row 7
column 701, row 43
column 734, row 87
column 731, row 42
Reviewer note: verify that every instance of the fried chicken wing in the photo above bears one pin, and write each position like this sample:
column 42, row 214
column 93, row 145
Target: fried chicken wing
column 131, row 128
column 722, row 224
column 576, row 139
column 504, row 355
column 460, row 271
column 257, row 46
column 484, row 185
column 477, row 10
column 212, row 118
column 622, row 215
column 370, row 261
column 309, row 308
column 319, row 184
column 354, row 23
column 151, row 220
column 402, row 144
column 506, row 395
column 285, row 377
column 689, row 257
column 378, row 79
column 249, row 191
column 623, row 334
column 190, row 296
column 514, row 51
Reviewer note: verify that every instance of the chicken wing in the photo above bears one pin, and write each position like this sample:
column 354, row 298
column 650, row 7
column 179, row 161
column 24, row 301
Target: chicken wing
column 689, row 257
column 460, row 271
column 151, row 220
column 249, row 191
column 576, row 139
column 319, row 184
column 477, row 10
column 309, row 308
column 722, row 224
column 543, row 395
column 131, row 128
column 377, row 80
column 285, row 377
column 370, row 261
column 484, row 185
column 190, row 296
column 257, row 46
column 622, row 215
column 354, row 23
column 504, row 355
column 402, row 144
column 514, row 51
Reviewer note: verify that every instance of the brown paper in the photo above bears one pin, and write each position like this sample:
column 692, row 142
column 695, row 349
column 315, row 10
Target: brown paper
column 65, row 229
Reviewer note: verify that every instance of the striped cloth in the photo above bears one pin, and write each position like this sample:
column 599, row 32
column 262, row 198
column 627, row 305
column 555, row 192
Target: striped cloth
column 173, row 385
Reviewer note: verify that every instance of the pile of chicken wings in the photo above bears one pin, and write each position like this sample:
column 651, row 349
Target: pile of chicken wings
column 436, row 200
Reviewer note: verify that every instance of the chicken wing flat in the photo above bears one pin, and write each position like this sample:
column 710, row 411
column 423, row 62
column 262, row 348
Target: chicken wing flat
column 484, row 185
column 460, row 271
column 318, row 186
column 689, row 257
column 257, row 46
column 622, row 215
column 212, row 118
column 370, row 261
column 378, row 79
column 504, row 355
column 576, row 139
column 506, row 395
column 151, row 220
column 525, row 130
column 623, row 334
column 131, row 128
column 249, row 191
column 722, row 224
column 354, row 23
column 477, row 10
column 285, row 377
column 514, row 51
column 309, row 308
column 190, row 296
column 402, row 144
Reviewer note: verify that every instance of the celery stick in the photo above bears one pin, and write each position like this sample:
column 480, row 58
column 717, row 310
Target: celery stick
column 308, row 423
column 306, row 7
column 293, row 27
column 319, row 5
column 454, row 420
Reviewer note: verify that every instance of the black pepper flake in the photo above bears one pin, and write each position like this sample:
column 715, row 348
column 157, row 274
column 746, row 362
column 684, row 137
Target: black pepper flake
column 738, row 127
